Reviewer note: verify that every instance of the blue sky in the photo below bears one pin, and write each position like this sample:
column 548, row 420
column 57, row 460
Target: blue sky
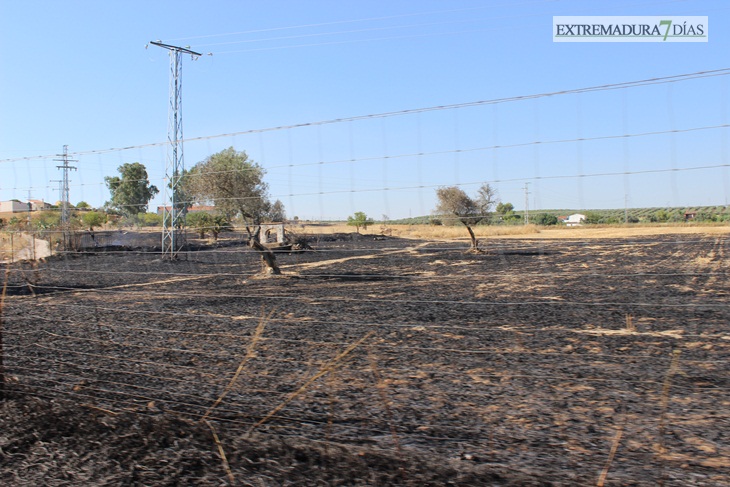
column 78, row 73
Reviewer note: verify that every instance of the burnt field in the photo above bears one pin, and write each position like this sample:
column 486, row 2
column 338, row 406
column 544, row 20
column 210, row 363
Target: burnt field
column 372, row 362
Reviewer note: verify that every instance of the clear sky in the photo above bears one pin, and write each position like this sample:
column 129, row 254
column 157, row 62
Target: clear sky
column 79, row 73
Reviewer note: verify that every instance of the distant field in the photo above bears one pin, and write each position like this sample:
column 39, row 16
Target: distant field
column 14, row 245
column 520, row 231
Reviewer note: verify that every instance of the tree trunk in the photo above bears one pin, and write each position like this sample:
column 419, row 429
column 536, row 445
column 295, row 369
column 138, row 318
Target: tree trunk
column 268, row 259
column 474, row 241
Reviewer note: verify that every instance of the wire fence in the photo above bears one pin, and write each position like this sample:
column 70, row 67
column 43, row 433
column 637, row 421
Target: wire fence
column 589, row 356
column 386, row 342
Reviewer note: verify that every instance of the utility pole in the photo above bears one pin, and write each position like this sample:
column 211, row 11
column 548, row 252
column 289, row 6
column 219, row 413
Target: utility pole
column 60, row 187
column 30, row 207
column 527, row 204
column 65, row 213
column 173, row 219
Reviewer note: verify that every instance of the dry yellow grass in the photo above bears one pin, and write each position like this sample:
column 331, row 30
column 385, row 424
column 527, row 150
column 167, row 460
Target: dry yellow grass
column 631, row 231
column 520, row 231
column 435, row 232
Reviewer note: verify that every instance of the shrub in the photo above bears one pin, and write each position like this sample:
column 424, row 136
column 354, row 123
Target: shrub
column 201, row 222
column 149, row 220
column 93, row 219
column 546, row 219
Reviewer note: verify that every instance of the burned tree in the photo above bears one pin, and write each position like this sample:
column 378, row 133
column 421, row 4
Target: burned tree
column 455, row 204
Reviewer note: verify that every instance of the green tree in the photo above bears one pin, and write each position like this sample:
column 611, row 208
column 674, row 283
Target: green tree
column 83, row 205
column 132, row 192
column 359, row 220
column 546, row 219
column 276, row 212
column 219, row 225
column 454, row 203
column 181, row 192
column 661, row 216
column 204, row 223
column 93, row 219
column 233, row 183
column 504, row 208
column 593, row 217
column 199, row 221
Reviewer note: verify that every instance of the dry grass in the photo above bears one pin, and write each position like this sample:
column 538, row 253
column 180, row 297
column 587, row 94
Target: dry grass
column 19, row 245
column 432, row 232
column 630, row 231
column 11, row 243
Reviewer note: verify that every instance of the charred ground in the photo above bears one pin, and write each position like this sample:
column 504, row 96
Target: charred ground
column 373, row 362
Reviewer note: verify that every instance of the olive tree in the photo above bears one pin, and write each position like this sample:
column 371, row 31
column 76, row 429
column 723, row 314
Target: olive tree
column 455, row 204
column 204, row 223
column 235, row 185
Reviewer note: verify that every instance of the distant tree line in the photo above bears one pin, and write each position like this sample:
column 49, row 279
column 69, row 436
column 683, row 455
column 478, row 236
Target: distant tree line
column 505, row 214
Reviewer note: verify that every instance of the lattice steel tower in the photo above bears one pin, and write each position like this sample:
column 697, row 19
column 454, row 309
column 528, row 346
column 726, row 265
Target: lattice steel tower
column 65, row 213
column 173, row 221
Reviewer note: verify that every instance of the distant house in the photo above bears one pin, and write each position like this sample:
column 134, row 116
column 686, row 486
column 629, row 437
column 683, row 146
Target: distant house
column 14, row 206
column 575, row 219
column 690, row 215
column 202, row 209
column 39, row 205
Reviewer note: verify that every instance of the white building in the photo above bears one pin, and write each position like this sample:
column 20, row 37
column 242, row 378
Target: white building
column 13, row 206
column 575, row 220
column 39, row 205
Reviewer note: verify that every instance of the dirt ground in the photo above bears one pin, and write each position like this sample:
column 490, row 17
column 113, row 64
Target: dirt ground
column 372, row 361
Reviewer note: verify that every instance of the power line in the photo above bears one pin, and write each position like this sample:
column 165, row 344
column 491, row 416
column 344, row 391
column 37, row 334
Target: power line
column 606, row 87
column 336, row 22
column 354, row 31
column 353, row 41
column 479, row 149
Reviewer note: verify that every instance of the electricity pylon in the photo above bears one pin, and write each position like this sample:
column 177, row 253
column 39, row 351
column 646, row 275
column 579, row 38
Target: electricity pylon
column 173, row 220
column 65, row 214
